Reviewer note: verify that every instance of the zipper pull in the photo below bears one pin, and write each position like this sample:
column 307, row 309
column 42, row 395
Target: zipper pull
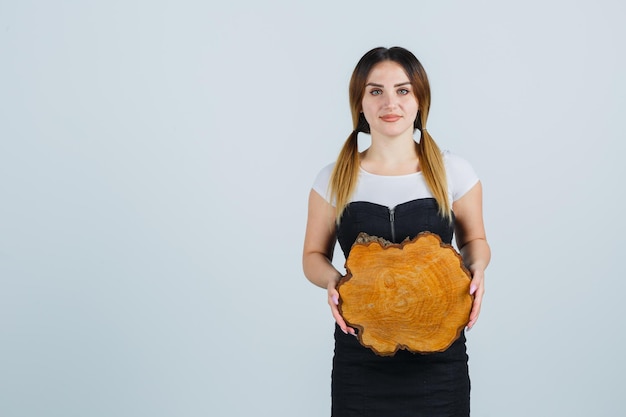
column 392, row 218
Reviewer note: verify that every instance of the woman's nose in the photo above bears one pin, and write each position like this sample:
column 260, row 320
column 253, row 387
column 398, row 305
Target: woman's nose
column 390, row 101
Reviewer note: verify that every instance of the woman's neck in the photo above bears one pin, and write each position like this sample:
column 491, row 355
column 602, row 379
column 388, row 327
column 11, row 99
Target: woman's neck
column 396, row 156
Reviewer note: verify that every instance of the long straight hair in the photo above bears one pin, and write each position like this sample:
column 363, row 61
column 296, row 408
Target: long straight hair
column 346, row 171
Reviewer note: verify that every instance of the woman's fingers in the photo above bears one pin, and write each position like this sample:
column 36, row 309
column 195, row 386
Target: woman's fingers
column 333, row 301
column 477, row 289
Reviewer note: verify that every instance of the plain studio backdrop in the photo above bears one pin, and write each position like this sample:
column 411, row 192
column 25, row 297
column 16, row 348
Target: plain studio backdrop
column 155, row 163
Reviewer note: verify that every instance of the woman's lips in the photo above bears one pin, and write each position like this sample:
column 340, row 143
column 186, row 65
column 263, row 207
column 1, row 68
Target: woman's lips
column 390, row 118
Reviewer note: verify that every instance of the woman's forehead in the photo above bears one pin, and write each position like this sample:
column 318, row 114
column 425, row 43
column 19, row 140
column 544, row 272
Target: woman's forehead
column 387, row 71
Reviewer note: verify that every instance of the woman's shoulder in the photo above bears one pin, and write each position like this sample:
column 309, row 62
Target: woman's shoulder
column 325, row 173
column 453, row 158
column 460, row 173
column 320, row 184
column 455, row 162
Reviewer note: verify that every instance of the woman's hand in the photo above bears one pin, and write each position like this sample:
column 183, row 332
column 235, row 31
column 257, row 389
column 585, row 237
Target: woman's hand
column 472, row 243
column 319, row 244
column 333, row 302
column 477, row 289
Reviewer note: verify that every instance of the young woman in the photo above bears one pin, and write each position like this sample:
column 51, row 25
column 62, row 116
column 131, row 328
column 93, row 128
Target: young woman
column 422, row 189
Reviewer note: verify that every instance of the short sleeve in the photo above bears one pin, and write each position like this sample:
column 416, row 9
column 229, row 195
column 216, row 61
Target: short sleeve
column 461, row 175
column 321, row 185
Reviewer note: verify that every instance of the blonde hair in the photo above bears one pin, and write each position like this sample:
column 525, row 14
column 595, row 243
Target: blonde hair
column 346, row 171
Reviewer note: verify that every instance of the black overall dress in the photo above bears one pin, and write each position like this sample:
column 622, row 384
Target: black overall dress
column 406, row 384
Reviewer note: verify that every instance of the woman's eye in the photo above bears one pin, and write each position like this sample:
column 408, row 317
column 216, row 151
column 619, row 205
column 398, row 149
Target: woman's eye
column 376, row 92
column 403, row 91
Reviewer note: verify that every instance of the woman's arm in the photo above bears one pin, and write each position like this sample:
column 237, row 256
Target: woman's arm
column 319, row 244
column 472, row 243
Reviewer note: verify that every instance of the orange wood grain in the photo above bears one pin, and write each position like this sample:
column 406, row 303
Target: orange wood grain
column 413, row 295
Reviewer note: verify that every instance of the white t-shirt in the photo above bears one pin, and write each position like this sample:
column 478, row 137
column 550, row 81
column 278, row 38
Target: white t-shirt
column 393, row 190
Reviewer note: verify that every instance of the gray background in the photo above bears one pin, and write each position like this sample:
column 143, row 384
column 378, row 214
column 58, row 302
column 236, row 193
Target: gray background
column 155, row 162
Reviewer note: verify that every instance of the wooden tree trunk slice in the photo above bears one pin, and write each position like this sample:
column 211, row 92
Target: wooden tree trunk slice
column 413, row 295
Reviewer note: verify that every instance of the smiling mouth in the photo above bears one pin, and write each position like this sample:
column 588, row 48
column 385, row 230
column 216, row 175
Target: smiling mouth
column 390, row 117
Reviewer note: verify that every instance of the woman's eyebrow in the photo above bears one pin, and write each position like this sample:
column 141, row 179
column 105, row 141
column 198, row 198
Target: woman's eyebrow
column 381, row 86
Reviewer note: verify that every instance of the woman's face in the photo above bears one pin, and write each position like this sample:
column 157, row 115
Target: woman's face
column 389, row 103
